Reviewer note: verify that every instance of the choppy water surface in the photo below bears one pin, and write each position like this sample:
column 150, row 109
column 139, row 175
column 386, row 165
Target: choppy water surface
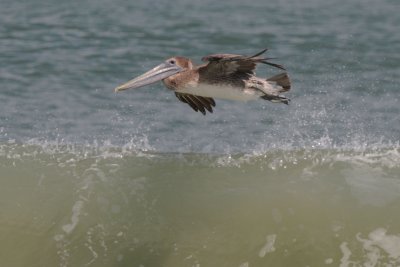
column 93, row 178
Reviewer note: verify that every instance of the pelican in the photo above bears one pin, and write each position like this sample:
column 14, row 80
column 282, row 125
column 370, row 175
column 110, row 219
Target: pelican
column 224, row 76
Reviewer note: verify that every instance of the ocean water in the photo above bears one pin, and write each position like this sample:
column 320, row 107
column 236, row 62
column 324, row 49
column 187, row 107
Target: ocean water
column 93, row 178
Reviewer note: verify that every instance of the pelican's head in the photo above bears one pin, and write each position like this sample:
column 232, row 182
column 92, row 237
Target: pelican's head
column 166, row 69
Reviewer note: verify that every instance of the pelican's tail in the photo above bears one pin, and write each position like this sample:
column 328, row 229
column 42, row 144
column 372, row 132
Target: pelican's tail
column 281, row 83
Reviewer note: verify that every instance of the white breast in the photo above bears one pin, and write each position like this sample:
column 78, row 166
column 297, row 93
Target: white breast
column 222, row 92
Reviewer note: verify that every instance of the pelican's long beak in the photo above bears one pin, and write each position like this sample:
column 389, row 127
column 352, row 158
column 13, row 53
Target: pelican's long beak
column 156, row 74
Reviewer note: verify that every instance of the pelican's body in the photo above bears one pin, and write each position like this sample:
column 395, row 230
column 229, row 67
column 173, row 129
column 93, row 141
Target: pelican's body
column 222, row 92
column 226, row 76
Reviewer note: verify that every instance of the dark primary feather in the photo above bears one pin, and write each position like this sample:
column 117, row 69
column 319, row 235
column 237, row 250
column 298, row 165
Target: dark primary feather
column 197, row 103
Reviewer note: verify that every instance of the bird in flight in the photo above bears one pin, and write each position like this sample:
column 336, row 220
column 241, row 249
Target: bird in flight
column 225, row 76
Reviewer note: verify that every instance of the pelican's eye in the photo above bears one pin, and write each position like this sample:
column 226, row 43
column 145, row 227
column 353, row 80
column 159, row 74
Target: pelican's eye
column 172, row 61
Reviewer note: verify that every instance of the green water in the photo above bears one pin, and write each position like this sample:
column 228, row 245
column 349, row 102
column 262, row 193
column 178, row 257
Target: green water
column 75, row 207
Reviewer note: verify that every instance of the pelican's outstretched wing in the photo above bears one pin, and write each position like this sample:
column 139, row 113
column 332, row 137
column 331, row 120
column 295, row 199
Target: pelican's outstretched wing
column 197, row 103
column 225, row 66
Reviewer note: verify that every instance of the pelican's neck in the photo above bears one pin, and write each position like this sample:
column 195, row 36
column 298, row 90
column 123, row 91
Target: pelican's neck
column 179, row 81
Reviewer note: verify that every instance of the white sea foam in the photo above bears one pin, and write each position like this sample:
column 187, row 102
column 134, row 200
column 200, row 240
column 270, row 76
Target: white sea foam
column 321, row 151
column 268, row 247
column 76, row 211
column 282, row 158
column 378, row 241
column 379, row 249
column 345, row 260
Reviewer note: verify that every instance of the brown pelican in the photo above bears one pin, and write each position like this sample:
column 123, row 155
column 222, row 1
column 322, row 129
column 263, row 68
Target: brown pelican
column 225, row 76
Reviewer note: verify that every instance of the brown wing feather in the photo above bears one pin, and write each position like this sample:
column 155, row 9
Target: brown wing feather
column 197, row 103
column 231, row 63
